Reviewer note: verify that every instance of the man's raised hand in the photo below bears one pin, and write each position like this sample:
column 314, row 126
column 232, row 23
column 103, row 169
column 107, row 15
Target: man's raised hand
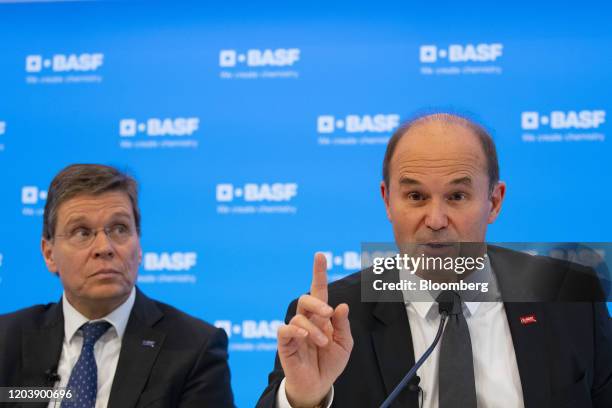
column 315, row 346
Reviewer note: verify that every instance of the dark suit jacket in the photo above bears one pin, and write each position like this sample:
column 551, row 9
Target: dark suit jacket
column 187, row 367
column 564, row 360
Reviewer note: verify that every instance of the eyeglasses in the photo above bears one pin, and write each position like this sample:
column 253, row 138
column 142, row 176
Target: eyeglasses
column 82, row 237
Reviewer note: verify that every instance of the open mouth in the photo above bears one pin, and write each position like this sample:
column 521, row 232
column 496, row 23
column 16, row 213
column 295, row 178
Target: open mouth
column 438, row 245
column 438, row 248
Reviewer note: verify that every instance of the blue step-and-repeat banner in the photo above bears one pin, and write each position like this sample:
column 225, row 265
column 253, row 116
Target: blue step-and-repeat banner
column 257, row 133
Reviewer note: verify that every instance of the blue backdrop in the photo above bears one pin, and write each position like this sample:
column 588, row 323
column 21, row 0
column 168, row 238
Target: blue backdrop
column 257, row 134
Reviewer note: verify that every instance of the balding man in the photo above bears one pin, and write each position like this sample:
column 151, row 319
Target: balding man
column 441, row 185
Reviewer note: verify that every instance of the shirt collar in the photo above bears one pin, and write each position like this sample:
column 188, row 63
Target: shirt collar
column 425, row 307
column 118, row 318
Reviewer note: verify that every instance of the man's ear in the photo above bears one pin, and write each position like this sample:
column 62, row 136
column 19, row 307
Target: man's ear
column 497, row 197
column 47, row 252
column 384, row 191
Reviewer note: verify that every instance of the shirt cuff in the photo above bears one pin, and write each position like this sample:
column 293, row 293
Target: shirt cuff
column 283, row 402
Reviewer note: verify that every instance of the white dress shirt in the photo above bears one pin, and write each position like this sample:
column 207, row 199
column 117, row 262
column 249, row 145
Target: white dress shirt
column 106, row 349
column 496, row 374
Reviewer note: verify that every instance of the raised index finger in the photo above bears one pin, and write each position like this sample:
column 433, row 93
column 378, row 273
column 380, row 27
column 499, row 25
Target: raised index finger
column 318, row 288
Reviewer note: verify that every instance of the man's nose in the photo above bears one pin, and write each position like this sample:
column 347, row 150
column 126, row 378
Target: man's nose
column 436, row 218
column 102, row 246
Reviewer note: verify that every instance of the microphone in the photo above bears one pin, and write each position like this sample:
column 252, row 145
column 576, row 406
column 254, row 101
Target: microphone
column 52, row 375
column 447, row 305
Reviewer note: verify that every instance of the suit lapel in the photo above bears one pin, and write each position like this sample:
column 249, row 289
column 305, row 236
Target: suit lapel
column 139, row 349
column 517, row 280
column 392, row 342
column 41, row 349
column 530, row 349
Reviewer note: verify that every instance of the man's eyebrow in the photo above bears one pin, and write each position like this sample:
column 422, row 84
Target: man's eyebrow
column 121, row 214
column 81, row 218
column 409, row 181
column 466, row 181
column 76, row 219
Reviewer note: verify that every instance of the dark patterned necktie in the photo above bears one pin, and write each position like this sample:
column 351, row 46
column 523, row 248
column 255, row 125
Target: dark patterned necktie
column 456, row 376
column 83, row 382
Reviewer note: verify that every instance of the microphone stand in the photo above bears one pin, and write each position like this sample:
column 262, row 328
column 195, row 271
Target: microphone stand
column 399, row 387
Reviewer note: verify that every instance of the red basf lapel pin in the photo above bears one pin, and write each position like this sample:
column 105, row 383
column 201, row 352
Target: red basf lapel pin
column 528, row 319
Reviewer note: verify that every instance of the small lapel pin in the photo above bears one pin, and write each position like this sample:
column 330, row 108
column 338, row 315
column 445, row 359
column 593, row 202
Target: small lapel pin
column 528, row 319
column 148, row 343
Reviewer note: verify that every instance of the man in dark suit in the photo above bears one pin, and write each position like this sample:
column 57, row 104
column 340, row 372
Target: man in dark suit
column 105, row 340
column 441, row 185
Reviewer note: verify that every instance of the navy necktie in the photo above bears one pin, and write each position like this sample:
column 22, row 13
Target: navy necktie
column 83, row 382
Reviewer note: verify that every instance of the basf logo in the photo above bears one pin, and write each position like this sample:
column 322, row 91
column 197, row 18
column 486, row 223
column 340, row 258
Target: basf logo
column 2, row 132
column 168, row 267
column 356, row 129
column 256, row 198
column 64, row 68
column 258, row 58
column 267, row 63
column 341, row 263
column 250, row 335
column 459, row 59
column 33, row 200
column 563, row 126
column 155, row 133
